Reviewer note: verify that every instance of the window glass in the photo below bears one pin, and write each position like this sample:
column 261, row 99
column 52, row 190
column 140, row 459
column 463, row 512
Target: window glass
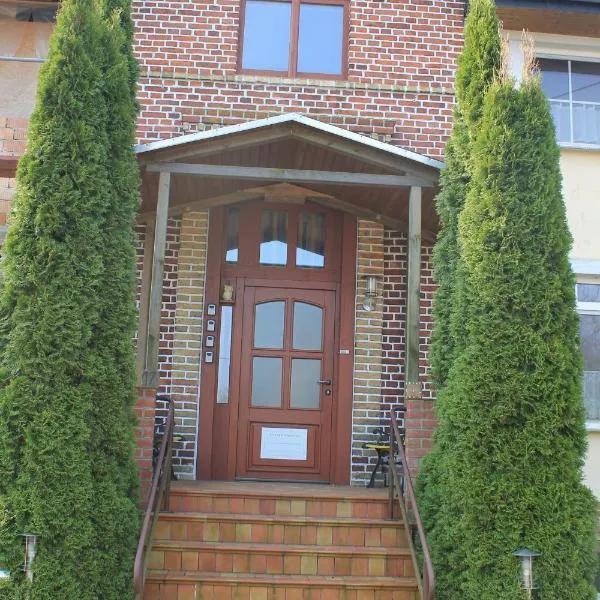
column 305, row 391
column 224, row 355
column 233, row 235
column 308, row 326
column 269, row 324
column 267, row 35
column 273, row 246
column 310, row 251
column 555, row 83
column 590, row 346
column 25, row 30
column 585, row 79
column 320, row 39
column 588, row 292
column 266, row 381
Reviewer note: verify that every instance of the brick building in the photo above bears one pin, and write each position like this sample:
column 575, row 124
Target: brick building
column 225, row 84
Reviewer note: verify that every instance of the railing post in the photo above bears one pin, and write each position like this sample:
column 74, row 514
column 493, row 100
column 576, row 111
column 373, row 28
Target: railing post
column 392, row 473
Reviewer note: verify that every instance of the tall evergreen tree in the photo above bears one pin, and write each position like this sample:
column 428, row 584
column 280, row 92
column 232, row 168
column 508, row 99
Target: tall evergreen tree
column 478, row 64
column 515, row 389
column 66, row 422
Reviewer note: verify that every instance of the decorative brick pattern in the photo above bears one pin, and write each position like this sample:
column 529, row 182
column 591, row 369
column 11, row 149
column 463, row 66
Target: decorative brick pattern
column 401, row 63
column 187, row 344
column 367, row 350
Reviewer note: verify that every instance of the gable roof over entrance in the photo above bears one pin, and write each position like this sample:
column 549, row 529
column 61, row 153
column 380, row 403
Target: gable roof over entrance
column 238, row 162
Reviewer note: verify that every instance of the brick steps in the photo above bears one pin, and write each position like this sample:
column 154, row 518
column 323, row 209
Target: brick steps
column 225, row 527
column 233, row 586
column 280, row 559
column 272, row 541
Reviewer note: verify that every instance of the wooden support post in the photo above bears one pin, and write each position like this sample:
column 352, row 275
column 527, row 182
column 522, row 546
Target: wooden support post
column 145, row 299
column 150, row 377
column 412, row 383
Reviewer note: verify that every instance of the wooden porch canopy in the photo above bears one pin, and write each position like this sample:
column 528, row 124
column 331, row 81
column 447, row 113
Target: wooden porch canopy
column 287, row 155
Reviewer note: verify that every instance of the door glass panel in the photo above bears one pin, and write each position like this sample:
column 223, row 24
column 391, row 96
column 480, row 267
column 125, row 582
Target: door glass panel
column 308, row 326
column 224, row 355
column 310, row 251
column 273, row 245
column 305, row 392
column 233, row 235
column 268, row 325
column 266, row 381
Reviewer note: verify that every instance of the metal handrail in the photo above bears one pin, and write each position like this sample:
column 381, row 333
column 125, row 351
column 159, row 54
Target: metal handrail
column 159, row 497
column 401, row 486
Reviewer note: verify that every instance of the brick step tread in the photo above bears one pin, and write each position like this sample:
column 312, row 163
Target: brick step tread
column 285, row 491
column 246, row 547
column 320, row 581
column 279, row 519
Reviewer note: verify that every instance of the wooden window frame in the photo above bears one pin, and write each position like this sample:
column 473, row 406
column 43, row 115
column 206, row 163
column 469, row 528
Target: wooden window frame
column 292, row 70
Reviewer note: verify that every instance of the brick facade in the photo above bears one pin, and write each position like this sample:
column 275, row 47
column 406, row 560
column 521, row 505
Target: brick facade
column 399, row 89
column 401, row 63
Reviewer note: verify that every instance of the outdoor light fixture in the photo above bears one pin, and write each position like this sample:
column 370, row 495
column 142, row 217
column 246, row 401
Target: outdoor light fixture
column 30, row 552
column 370, row 302
column 526, row 556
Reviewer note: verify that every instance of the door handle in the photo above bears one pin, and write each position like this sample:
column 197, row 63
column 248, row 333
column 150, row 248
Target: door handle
column 324, row 381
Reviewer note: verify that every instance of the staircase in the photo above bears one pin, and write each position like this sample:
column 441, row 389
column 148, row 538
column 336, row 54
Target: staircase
column 274, row 541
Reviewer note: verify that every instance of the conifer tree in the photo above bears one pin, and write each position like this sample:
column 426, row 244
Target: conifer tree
column 515, row 389
column 478, row 64
column 66, row 423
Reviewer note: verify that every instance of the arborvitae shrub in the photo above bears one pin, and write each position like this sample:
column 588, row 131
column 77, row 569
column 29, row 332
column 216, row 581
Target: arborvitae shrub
column 516, row 388
column 66, row 424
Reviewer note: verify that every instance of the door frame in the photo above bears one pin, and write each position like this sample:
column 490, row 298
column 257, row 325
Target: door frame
column 222, row 417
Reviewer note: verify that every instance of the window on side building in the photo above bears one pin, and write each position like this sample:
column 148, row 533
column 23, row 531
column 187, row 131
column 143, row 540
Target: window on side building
column 25, row 30
column 588, row 306
column 573, row 89
column 294, row 38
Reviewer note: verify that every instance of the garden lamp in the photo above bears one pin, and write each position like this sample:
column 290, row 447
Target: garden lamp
column 526, row 556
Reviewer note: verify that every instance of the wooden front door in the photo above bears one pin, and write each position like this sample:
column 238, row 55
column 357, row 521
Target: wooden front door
column 284, row 426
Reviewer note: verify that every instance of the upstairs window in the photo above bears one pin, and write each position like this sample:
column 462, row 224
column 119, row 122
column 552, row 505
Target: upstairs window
column 573, row 89
column 294, row 37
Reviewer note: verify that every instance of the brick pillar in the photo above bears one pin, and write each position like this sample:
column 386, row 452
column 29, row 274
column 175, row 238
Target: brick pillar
column 420, row 421
column 368, row 341
column 145, row 408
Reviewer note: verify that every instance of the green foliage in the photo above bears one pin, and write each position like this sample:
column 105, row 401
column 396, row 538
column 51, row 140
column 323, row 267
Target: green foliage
column 512, row 432
column 477, row 66
column 66, row 420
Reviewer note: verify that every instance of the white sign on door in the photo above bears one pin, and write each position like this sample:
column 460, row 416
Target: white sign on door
column 283, row 444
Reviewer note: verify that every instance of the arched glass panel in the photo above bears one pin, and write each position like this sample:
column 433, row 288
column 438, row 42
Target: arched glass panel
column 308, row 327
column 269, row 325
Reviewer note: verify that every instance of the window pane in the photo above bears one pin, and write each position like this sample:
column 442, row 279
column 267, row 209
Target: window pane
column 555, row 78
column 320, row 39
column 561, row 113
column 268, row 325
column 224, row 355
column 305, row 392
column 308, row 326
column 585, row 81
column 588, row 292
column 310, row 251
column 233, row 235
column 590, row 346
column 266, row 381
column 586, row 123
column 267, row 35
column 273, row 246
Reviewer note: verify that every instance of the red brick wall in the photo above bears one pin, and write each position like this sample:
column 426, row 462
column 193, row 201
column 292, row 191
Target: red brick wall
column 144, row 410
column 401, row 58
